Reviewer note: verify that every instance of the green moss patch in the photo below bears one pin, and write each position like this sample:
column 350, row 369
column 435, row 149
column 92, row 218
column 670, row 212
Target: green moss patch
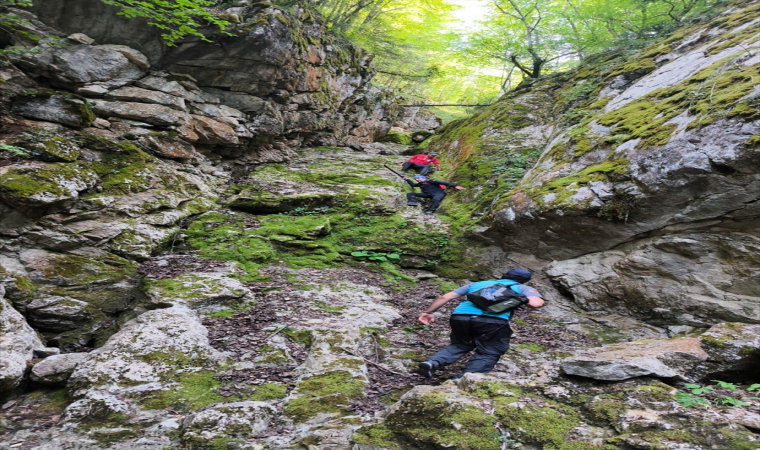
column 331, row 392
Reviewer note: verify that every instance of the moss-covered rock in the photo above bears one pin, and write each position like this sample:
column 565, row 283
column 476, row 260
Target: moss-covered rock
column 60, row 107
column 326, row 393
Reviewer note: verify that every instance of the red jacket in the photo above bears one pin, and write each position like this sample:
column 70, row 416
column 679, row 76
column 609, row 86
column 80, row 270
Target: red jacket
column 424, row 160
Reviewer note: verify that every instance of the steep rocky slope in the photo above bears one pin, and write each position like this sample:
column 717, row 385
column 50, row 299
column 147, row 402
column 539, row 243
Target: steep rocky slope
column 643, row 175
column 165, row 284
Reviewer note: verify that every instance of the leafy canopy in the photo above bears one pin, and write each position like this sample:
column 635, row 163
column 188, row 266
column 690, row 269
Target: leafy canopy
column 530, row 36
column 177, row 18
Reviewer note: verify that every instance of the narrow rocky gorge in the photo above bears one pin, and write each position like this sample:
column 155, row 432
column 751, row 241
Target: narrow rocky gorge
column 200, row 247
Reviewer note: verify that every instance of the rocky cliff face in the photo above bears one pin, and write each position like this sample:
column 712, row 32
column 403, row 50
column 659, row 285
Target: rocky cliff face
column 645, row 188
column 157, row 291
column 296, row 83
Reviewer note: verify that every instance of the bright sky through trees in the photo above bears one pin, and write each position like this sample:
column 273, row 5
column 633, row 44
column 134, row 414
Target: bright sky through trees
column 459, row 51
column 468, row 14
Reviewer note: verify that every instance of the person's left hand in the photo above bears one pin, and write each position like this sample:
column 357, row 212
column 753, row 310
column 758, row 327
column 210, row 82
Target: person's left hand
column 459, row 188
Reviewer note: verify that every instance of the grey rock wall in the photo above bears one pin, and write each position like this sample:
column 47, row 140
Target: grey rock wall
column 295, row 82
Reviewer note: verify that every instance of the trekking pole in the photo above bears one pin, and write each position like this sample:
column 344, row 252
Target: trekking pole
column 402, row 176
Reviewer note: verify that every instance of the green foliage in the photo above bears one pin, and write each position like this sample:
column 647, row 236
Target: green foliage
column 302, row 211
column 535, row 37
column 697, row 389
column 18, row 151
column 176, row 18
column 699, row 395
column 731, row 401
column 367, row 255
column 690, row 401
column 725, row 385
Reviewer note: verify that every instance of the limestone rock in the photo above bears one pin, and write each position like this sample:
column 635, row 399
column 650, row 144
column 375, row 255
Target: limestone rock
column 81, row 64
column 281, row 197
column 198, row 289
column 673, row 358
column 147, row 351
column 165, row 147
column 74, row 296
column 56, row 369
column 231, row 421
column 732, row 348
column 17, row 344
column 54, row 107
column 212, row 131
column 36, row 186
column 687, row 279
column 136, row 94
column 162, row 82
column 149, row 113
column 56, row 313
column 81, row 38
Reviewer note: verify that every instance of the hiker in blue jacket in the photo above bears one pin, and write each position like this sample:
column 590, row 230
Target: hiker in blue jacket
column 431, row 189
column 475, row 329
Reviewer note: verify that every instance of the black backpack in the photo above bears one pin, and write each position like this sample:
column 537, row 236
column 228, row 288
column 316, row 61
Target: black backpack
column 497, row 298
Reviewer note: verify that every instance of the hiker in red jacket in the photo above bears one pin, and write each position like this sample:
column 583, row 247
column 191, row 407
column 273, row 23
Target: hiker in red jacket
column 422, row 163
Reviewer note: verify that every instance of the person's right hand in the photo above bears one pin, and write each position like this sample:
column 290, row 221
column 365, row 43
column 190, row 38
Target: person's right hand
column 426, row 318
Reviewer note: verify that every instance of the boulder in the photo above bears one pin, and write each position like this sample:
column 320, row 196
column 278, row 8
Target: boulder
column 280, row 197
column 733, row 349
column 56, row 369
column 169, row 148
column 212, row 131
column 149, row 113
column 75, row 297
column 37, row 187
column 149, row 351
column 228, row 421
column 17, row 344
column 56, row 313
column 198, row 289
column 116, row 65
column 61, row 108
column 140, row 95
column 163, row 82
column 681, row 279
column 672, row 358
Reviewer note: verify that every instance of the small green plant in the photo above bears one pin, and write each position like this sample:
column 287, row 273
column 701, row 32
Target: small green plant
column 18, row 151
column 730, row 401
column 697, row 389
column 367, row 255
column 700, row 396
column 691, row 401
column 724, row 385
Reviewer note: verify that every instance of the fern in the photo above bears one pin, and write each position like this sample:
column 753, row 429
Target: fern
column 18, row 151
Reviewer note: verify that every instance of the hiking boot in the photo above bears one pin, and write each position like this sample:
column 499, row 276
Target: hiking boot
column 412, row 204
column 427, row 368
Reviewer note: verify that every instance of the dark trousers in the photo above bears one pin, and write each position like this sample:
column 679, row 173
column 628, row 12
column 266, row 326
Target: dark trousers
column 411, row 197
column 488, row 336
column 410, row 165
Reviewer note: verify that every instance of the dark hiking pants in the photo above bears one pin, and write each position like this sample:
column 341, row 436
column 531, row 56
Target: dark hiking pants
column 411, row 197
column 488, row 336
column 423, row 168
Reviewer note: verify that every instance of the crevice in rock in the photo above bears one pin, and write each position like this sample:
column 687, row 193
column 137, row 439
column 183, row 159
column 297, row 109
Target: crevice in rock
column 722, row 168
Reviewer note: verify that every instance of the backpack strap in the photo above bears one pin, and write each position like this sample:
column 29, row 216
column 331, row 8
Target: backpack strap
column 478, row 285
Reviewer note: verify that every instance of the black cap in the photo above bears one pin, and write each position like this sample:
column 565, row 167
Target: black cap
column 519, row 275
